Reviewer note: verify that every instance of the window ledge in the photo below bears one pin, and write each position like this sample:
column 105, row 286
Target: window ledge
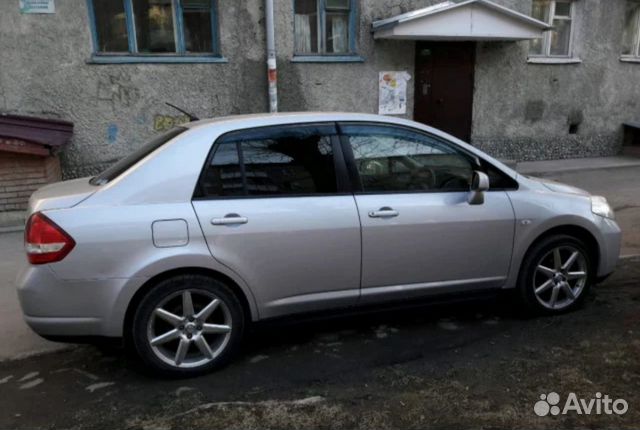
column 154, row 59
column 327, row 59
column 553, row 60
column 629, row 59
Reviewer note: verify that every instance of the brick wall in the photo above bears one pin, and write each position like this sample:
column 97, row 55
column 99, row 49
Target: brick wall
column 21, row 175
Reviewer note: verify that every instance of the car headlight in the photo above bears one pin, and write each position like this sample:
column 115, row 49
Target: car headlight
column 600, row 206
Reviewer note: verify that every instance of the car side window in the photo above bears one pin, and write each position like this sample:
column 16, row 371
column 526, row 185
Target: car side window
column 394, row 159
column 272, row 161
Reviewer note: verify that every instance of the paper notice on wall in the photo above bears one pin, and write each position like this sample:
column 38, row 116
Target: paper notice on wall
column 37, row 6
column 392, row 99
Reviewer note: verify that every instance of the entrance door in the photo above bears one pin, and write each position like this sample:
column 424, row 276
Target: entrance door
column 444, row 86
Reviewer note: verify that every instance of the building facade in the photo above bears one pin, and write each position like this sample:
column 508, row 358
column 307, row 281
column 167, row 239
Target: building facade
column 109, row 67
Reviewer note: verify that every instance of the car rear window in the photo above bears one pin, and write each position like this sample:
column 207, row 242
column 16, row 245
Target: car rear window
column 124, row 164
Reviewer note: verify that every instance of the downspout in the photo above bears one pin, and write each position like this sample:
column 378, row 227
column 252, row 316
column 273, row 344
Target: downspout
column 272, row 71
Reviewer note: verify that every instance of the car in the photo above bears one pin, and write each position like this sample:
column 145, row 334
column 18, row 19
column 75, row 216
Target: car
column 217, row 224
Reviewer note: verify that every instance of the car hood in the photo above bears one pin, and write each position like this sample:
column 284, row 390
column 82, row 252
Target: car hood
column 61, row 195
column 559, row 187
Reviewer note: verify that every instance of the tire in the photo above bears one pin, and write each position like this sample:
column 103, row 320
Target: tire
column 171, row 342
column 539, row 272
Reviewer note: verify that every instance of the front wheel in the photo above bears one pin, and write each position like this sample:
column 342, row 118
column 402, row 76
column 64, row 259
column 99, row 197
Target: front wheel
column 187, row 325
column 556, row 275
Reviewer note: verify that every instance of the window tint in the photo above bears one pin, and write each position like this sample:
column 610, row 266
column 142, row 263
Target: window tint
column 124, row 164
column 292, row 160
column 395, row 159
column 497, row 179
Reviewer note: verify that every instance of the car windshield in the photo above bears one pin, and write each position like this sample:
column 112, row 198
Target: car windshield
column 124, row 164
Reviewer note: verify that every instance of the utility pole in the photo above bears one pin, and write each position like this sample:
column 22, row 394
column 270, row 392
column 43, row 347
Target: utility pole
column 272, row 70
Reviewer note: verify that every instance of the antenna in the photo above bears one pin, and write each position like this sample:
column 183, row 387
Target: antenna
column 191, row 116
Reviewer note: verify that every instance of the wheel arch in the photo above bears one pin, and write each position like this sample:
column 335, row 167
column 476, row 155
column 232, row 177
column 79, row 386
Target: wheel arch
column 247, row 309
column 573, row 230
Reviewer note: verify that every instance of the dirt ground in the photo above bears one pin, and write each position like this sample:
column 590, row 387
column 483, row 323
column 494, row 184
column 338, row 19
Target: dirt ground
column 478, row 364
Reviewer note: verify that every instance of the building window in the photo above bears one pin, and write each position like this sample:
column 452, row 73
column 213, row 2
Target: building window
column 556, row 42
column 631, row 38
column 154, row 28
column 324, row 27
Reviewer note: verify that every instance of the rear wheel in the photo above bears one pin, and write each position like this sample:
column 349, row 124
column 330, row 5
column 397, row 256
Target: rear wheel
column 556, row 275
column 187, row 325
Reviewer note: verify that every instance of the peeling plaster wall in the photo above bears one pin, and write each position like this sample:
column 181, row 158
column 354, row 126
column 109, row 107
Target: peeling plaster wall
column 115, row 108
column 523, row 111
column 520, row 110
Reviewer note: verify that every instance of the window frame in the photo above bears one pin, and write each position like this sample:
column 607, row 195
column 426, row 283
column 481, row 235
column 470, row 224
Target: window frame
column 477, row 163
column 546, row 40
column 635, row 55
column 322, row 56
column 343, row 184
column 133, row 56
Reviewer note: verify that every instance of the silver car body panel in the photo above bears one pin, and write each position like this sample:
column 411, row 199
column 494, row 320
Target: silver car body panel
column 290, row 247
column 431, row 235
column 293, row 254
column 60, row 195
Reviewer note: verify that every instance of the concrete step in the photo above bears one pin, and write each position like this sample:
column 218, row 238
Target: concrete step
column 12, row 221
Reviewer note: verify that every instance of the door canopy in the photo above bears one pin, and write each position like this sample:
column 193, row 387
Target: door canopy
column 461, row 21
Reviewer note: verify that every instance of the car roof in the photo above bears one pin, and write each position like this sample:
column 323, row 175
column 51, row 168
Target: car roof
column 262, row 119
column 237, row 122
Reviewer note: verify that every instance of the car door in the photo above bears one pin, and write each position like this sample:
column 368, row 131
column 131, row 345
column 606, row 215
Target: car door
column 419, row 233
column 272, row 207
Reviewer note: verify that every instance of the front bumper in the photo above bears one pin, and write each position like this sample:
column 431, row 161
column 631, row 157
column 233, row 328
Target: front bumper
column 609, row 243
column 56, row 307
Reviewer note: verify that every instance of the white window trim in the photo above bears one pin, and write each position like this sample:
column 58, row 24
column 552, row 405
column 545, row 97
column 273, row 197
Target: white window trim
column 546, row 57
column 553, row 60
column 635, row 56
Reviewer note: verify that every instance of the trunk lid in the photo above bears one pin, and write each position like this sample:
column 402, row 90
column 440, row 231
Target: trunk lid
column 61, row 195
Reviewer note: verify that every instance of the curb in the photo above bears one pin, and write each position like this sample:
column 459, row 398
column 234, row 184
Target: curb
column 544, row 173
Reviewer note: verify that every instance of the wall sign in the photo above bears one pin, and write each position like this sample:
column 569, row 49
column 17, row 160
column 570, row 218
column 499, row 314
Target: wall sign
column 37, row 6
column 392, row 98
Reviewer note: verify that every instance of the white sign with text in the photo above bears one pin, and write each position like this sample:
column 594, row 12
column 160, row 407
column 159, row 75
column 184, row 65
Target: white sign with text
column 37, row 6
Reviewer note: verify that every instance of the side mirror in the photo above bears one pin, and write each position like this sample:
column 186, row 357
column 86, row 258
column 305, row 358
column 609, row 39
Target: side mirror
column 479, row 184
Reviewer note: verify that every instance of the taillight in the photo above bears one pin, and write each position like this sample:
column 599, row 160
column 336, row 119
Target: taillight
column 45, row 241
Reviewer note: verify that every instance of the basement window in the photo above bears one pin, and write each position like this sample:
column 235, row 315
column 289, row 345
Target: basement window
column 631, row 35
column 324, row 29
column 154, row 31
column 556, row 43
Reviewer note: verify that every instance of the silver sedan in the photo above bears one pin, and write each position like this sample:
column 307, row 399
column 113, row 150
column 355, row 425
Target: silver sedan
column 220, row 223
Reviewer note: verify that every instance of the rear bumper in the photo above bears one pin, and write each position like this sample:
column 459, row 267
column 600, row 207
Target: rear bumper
column 55, row 307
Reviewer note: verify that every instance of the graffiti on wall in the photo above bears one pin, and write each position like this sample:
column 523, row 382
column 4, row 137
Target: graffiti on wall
column 118, row 90
column 167, row 122
column 112, row 133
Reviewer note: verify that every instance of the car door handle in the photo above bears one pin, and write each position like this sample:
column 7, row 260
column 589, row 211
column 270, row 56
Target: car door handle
column 230, row 219
column 384, row 213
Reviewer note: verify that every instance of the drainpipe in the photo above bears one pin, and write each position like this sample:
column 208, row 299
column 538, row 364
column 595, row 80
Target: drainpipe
column 272, row 71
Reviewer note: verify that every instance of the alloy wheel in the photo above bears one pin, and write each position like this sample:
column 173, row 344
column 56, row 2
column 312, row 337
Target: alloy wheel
column 560, row 277
column 189, row 328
